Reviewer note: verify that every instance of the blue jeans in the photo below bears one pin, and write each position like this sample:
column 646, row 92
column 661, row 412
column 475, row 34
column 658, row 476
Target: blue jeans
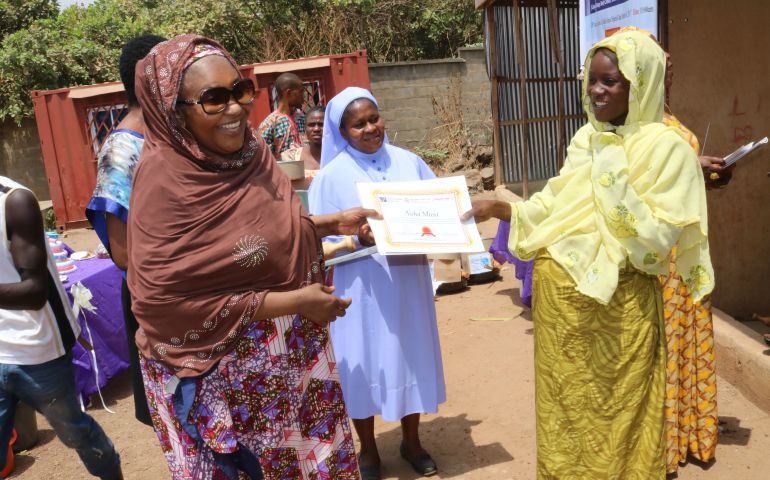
column 49, row 388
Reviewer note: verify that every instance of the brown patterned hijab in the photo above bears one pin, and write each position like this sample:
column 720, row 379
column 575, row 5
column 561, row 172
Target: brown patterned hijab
column 208, row 236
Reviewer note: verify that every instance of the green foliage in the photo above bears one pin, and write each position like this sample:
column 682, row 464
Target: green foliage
column 49, row 220
column 80, row 46
column 432, row 155
column 18, row 14
column 45, row 50
column 449, row 25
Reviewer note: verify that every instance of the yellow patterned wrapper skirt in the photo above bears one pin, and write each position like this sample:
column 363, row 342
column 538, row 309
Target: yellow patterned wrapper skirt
column 691, row 381
column 600, row 378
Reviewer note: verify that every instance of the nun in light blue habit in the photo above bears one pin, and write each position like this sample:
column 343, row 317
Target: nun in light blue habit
column 387, row 345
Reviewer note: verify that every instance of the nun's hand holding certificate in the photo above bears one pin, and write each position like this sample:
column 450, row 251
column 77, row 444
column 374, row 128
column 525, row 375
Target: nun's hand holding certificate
column 421, row 217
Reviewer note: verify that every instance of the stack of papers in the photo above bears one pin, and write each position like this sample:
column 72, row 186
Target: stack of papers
column 743, row 151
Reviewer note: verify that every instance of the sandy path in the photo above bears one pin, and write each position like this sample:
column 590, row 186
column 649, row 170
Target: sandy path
column 484, row 431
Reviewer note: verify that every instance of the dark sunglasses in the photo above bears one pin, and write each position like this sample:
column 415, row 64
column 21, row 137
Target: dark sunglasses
column 215, row 100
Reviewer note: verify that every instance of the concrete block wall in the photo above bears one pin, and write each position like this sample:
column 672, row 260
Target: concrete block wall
column 21, row 158
column 405, row 92
column 476, row 94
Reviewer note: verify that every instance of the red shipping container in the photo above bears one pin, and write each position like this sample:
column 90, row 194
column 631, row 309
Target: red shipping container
column 74, row 122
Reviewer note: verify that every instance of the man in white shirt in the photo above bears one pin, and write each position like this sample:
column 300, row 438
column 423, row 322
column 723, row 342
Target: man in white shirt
column 37, row 331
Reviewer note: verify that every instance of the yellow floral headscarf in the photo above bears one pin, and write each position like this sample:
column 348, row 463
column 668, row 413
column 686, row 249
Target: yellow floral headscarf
column 668, row 118
column 643, row 63
column 626, row 193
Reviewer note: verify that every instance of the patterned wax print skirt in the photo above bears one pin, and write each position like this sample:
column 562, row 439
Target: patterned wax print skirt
column 691, row 380
column 276, row 394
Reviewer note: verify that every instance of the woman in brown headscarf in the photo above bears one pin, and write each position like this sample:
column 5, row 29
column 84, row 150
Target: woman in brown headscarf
column 225, row 272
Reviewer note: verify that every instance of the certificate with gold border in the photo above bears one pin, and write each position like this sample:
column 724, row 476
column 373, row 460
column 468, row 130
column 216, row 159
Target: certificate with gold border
column 421, row 216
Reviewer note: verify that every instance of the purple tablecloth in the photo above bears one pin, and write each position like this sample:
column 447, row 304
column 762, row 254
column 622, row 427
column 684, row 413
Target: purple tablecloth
column 499, row 251
column 104, row 280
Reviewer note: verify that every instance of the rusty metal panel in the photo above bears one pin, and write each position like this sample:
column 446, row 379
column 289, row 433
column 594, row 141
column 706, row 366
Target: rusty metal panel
column 537, row 88
column 74, row 122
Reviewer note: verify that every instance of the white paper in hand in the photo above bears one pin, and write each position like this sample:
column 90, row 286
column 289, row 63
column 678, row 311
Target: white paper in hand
column 743, row 151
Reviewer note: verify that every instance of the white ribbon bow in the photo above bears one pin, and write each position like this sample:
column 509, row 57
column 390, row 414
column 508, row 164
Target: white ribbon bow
column 81, row 299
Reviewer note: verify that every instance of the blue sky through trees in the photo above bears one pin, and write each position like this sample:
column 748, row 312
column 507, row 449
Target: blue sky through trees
column 66, row 3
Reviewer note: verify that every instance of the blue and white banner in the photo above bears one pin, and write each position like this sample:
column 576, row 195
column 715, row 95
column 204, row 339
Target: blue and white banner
column 601, row 18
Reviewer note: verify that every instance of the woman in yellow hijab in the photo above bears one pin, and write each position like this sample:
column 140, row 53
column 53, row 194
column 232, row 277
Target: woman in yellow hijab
column 601, row 232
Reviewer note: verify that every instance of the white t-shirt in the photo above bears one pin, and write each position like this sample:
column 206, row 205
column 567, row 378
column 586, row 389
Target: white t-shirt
column 31, row 337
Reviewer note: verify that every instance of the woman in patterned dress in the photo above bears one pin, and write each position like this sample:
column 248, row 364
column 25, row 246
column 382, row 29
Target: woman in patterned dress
column 601, row 233
column 225, row 273
column 691, row 380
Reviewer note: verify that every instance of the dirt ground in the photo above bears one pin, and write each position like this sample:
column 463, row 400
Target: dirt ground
column 485, row 430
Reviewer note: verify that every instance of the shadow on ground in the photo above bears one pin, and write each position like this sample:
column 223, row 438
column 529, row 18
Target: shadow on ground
column 515, row 295
column 450, row 443
column 731, row 432
column 118, row 388
column 24, row 459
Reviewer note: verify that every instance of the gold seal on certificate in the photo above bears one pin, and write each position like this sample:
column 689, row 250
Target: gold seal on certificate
column 421, row 216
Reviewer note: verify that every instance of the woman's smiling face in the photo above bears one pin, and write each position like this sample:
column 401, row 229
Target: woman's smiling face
column 362, row 126
column 221, row 133
column 607, row 88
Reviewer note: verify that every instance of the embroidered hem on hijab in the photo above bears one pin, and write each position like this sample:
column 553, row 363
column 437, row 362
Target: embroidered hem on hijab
column 208, row 236
column 625, row 194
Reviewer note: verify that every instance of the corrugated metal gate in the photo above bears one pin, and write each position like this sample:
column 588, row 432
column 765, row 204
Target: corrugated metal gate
column 536, row 107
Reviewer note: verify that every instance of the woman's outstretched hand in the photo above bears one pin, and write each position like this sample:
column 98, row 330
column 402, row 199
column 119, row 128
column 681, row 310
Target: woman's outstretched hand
column 352, row 220
column 715, row 172
column 483, row 210
column 319, row 305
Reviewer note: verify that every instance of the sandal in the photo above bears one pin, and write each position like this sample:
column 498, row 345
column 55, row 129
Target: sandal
column 369, row 472
column 422, row 463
